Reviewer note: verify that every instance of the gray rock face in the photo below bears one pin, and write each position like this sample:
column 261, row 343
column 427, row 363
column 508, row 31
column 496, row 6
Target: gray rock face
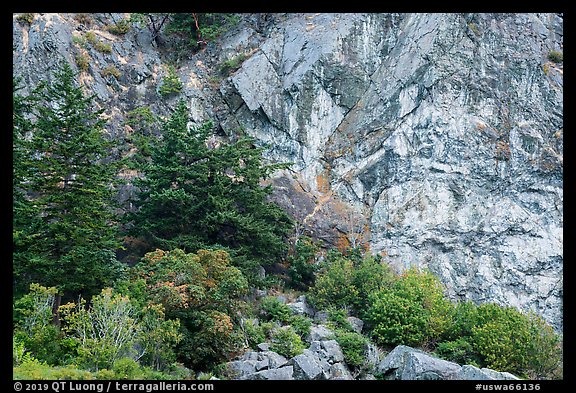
column 468, row 372
column 252, row 365
column 284, row 373
column 301, row 307
column 328, row 350
column 444, row 131
column 307, row 366
column 356, row 323
column 406, row 363
column 319, row 333
column 436, row 139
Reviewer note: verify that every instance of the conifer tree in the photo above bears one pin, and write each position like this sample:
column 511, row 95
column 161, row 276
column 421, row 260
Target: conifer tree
column 71, row 236
column 196, row 194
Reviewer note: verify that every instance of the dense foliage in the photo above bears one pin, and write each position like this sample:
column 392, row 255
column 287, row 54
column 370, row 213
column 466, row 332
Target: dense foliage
column 411, row 309
column 197, row 193
column 64, row 230
column 203, row 216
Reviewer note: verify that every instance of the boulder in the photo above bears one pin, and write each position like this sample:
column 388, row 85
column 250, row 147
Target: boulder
column 301, row 307
column 240, row 368
column 263, row 346
column 373, row 356
column 328, row 350
column 321, row 317
column 406, row 363
column 308, row 366
column 421, row 366
column 283, row 373
column 356, row 323
column 340, row 371
column 319, row 333
column 274, row 359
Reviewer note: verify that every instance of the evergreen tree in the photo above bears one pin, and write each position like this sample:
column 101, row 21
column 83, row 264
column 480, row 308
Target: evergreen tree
column 194, row 194
column 24, row 213
column 71, row 236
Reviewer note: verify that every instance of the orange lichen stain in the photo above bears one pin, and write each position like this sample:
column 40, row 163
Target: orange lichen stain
column 342, row 243
column 323, row 182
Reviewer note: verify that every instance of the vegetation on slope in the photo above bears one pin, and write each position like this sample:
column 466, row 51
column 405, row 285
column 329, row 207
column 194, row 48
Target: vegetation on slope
column 206, row 225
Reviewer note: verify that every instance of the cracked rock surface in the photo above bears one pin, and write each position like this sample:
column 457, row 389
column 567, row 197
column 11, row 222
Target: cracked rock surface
column 435, row 140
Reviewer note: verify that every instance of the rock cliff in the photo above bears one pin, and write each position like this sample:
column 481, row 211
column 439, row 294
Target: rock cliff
column 433, row 139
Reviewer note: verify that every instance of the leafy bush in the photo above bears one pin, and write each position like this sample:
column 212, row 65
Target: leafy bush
column 337, row 319
column 229, row 66
column 25, row 18
column 253, row 333
column 334, row 285
column 104, row 332
column 126, row 368
column 286, row 342
column 34, row 329
column 301, row 325
column 346, row 281
column 111, row 70
column 202, row 290
column 509, row 340
column 413, row 311
column 82, row 61
column 353, row 346
column 171, row 83
column 555, row 56
column 502, row 338
column 119, row 28
column 96, row 43
column 302, row 263
column 34, row 369
column 83, row 18
column 272, row 309
column 460, row 351
column 158, row 337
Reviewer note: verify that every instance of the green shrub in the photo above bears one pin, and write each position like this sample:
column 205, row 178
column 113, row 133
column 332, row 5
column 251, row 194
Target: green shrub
column 302, row 266
column 119, row 28
column 82, row 61
column 346, row 281
column 253, row 333
column 229, row 66
column 96, row 43
column 268, row 328
column 555, row 56
column 371, row 274
column 272, row 309
column 34, row 329
column 83, row 18
column 504, row 339
column 301, row 325
column 286, row 342
column 104, row 332
column 126, row 368
column 337, row 319
column 509, row 340
column 37, row 370
column 460, row 351
column 25, row 19
column 334, row 285
column 412, row 312
column 102, row 47
column 171, row 84
column 111, row 70
column 79, row 40
column 353, row 346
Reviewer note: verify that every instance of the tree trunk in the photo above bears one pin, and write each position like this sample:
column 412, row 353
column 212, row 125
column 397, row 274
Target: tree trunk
column 56, row 309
